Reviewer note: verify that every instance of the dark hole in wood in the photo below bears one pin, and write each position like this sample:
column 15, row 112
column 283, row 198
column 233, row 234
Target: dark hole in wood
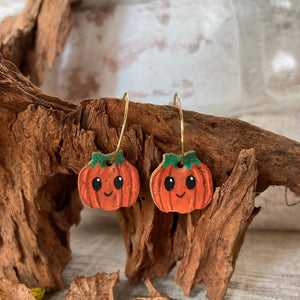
column 174, row 224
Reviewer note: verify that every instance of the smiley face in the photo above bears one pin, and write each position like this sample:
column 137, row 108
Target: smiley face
column 190, row 183
column 97, row 184
column 109, row 186
column 183, row 188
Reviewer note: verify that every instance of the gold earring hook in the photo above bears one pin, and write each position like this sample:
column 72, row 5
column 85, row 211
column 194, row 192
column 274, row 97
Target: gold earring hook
column 125, row 97
column 177, row 97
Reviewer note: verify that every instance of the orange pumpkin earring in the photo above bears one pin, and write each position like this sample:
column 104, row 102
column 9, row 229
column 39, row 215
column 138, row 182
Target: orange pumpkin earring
column 109, row 181
column 181, row 183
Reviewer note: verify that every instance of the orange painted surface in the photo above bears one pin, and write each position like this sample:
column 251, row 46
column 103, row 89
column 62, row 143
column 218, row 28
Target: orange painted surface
column 181, row 198
column 110, row 187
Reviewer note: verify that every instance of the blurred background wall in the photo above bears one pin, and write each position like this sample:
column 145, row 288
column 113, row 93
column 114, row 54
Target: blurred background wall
column 229, row 58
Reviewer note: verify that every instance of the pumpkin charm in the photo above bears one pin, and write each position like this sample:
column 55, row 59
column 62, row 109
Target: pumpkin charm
column 106, row 185
column 181, row 188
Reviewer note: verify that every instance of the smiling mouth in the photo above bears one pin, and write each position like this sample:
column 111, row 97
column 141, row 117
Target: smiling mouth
column 180, row 196
column 107, row 195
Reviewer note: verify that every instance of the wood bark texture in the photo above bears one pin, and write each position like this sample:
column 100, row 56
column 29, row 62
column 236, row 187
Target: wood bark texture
column 10, row 290
column 99, row 286
column 45, row 141
column 36, row 36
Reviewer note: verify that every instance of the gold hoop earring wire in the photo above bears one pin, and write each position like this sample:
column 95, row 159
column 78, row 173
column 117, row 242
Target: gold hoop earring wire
column 125, row 97
column 177, row 97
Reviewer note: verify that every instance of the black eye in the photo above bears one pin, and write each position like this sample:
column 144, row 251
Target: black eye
column 190, row 182
column 169, row 183
column 118, row 182
column 97, row 184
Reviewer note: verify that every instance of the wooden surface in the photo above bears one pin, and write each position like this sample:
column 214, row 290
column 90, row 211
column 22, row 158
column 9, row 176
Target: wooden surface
column 268, row 266
column 14, row 291
column 99, row 286
column 49, row 140
column 45, row 145
column 32, row 39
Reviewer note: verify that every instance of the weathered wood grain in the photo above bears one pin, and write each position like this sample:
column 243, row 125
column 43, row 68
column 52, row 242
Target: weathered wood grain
column 99, row 286
column 36, row 36
column 45, row 141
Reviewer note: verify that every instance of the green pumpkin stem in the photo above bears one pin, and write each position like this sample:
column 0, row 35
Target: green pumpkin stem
column 103, row 159
column 189, row 159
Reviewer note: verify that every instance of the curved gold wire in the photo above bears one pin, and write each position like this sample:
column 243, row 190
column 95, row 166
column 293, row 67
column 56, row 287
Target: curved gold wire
column 177, row 97
column 125, row 97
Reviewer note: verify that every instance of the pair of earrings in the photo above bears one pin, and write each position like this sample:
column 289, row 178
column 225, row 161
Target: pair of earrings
column 181, row 183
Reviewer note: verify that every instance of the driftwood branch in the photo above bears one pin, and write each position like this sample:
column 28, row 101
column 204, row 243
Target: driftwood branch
column 36, row 36
column 45, row 141
column 214, row 238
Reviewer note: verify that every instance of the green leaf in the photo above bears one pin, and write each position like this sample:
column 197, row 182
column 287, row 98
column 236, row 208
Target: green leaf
column 102, row 159
column 189, row 159
column 39, row 292
column 171, row 159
